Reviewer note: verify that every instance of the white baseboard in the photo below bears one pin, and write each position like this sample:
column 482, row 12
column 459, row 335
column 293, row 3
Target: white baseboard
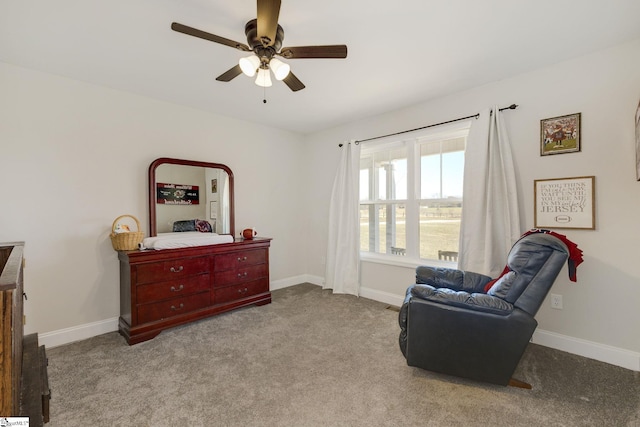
column 381, row 296
column 368, row 293
column 296, row 280
column 592, row 350
column 77, row 333
column 88, row 330
column 604, row 353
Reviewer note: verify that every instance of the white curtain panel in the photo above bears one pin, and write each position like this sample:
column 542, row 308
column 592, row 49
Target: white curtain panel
column 491, row 221
column 343, row 249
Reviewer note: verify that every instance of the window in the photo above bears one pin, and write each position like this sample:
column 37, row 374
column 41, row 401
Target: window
column 411, row 194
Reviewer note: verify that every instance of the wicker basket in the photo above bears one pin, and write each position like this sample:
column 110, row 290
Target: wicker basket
column 127, row 241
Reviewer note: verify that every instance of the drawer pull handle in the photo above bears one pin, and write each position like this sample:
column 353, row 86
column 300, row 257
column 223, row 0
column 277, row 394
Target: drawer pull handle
column 176, row 270
column 240, row 275
column 173, row 307
column 240, row 291
column 178, row 289
column 242, row 259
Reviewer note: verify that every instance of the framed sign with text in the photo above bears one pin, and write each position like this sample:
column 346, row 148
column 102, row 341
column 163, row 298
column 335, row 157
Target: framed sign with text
column 177, row 194
column 564, row 203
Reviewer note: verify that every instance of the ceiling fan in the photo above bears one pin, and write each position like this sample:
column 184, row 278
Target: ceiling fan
column 264, row 39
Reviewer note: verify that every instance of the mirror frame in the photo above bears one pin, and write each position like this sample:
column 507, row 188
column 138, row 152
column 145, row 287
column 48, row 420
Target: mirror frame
column 153, row 193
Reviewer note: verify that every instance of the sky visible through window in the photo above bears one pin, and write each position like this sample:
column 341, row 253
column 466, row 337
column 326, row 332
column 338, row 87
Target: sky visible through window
column 452, row 175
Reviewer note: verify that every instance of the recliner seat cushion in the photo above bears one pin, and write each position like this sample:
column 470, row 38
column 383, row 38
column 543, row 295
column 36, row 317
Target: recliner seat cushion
column 451, row 278
column 473, row 301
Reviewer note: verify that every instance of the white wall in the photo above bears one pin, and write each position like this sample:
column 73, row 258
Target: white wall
column 74, row 156
column 602, row 308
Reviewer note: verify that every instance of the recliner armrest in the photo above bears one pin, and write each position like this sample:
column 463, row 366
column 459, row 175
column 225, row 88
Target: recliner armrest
column 470, row 301
column 451, row 278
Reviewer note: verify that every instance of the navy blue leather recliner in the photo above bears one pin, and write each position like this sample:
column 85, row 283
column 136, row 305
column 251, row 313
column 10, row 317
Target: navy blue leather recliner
column 449, row 324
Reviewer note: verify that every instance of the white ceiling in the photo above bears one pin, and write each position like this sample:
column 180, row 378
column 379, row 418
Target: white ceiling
column 399, row 53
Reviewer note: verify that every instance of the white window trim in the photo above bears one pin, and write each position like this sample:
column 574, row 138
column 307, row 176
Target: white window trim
column 403, row 261
column 452, row 130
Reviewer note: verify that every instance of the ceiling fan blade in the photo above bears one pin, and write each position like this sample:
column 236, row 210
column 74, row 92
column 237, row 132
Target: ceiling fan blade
column 229, row 75
column 208, row 36
column 292, row 81
column 268, row 12
column 330, row 51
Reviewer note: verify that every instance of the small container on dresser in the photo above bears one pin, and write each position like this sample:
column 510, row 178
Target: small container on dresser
column 160, row 289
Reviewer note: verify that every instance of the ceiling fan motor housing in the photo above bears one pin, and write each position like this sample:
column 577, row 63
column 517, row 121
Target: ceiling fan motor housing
column 265, row 45
column 257, row 44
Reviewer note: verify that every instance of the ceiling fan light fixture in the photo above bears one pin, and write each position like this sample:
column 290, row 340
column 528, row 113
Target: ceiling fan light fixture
column 264, row 78
column 264, row 42
column 249, row 65
column 279, row 68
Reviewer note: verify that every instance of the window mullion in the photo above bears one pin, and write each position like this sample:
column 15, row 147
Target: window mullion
column 411, row 209
column 394, row 216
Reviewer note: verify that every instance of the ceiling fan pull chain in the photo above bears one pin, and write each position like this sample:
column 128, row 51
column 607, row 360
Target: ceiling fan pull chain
column 264, row 96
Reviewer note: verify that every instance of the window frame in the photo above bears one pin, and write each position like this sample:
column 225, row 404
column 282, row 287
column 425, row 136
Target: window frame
column 413, row 200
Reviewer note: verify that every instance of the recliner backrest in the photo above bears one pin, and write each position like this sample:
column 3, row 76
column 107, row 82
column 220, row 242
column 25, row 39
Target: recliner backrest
column 535, row 261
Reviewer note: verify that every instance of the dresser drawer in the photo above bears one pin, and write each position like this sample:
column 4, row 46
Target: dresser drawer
column 153, row 292
column 163, row 289
column 240, row 275
column 242, row 290
column 171, row 270
column 173, row 307
column 240, row 259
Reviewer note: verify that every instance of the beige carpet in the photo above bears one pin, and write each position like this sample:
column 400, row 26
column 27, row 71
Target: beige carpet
column 312, row 358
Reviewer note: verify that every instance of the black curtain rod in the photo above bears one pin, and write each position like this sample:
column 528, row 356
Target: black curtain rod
column 475, row 116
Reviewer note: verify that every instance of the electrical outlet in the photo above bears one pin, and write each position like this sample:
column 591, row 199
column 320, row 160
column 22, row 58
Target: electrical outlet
column 556, row 301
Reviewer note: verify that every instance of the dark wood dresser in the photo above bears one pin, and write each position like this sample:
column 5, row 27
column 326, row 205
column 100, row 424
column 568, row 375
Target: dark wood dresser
column 160, row 289
column 24, row 384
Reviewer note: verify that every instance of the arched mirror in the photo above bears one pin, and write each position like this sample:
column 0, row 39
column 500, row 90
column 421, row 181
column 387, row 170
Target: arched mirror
column 181, row 191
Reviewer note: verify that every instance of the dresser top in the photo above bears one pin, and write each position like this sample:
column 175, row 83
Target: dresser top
column 11, row 255
column 162, row 254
